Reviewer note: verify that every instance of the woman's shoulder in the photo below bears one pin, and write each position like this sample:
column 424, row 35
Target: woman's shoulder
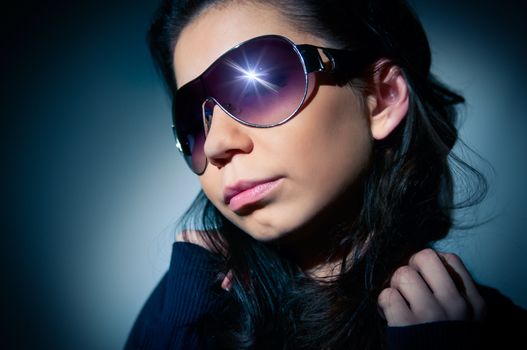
column 505, row 320
column 193, row 263
column 504, row 327
column 500, row 306
column 188, row 291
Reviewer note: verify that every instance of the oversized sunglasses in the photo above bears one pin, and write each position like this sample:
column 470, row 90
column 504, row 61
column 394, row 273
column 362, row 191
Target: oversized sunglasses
column 262, row 82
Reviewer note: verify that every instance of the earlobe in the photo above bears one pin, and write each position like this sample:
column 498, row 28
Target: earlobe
column 389, row 103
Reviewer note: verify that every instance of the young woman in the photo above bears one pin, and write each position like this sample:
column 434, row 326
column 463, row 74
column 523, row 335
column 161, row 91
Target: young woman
column 322, row 143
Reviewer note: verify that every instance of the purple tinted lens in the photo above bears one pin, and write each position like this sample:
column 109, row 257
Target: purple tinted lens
column 262, row 82
column 188, row 121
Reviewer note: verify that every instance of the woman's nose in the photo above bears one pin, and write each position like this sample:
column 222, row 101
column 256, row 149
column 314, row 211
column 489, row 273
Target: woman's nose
column 226, row 137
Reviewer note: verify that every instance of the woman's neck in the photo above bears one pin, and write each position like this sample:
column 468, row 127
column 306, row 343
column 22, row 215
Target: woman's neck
column 317, row 250
column 316, row 246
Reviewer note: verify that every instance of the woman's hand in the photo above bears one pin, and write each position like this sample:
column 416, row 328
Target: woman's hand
column 432, row 287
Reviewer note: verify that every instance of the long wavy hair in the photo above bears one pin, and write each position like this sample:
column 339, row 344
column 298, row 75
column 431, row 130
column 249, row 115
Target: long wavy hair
column 407, row 192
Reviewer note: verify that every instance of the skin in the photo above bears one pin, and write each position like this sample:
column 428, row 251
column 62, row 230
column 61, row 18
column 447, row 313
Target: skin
column 425, row 291
column 319, row 155
column 327, row 129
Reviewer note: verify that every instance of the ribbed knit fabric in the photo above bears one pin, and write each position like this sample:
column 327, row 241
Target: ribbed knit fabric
column 189, row 290
column 452, row 335
column 184, row 294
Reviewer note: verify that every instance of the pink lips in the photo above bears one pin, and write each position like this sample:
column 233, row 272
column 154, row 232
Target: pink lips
column 248, row 192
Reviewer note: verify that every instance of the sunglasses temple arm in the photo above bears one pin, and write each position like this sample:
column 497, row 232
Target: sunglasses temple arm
column 311, row 58
column 347, row 63
column 344, row 63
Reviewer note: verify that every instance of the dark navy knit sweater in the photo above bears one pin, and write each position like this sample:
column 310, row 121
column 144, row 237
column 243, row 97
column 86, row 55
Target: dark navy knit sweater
column 190, row 290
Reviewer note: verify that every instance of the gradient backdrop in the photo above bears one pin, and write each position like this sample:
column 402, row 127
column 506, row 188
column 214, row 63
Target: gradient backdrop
column 93, row 182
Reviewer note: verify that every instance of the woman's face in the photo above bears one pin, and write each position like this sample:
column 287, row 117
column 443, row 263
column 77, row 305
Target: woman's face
column 305, row 164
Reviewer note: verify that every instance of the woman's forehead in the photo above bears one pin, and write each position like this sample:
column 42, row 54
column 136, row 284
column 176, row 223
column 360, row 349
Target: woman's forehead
column 217, row 30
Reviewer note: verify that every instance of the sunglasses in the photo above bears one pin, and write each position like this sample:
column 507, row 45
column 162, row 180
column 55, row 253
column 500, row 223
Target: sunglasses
column 262, row 83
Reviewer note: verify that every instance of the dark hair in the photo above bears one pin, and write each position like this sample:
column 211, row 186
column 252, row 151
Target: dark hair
column 407, row 194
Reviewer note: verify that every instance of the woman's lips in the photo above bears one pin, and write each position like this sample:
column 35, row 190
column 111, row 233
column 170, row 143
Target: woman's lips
column 247, row 193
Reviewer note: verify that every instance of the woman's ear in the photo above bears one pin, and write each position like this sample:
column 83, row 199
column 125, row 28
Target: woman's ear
column 388, row 102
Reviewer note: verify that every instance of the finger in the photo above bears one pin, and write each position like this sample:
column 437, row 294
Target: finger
column 416, row 292
column 395, row 309
column 440, row 281
column 472, row 295
column 227, row 281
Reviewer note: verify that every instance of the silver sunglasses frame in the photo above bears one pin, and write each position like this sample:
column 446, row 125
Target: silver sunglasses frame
column 342, row 62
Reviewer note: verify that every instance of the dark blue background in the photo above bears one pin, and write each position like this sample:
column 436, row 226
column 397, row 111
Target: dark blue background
column 92, row 182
